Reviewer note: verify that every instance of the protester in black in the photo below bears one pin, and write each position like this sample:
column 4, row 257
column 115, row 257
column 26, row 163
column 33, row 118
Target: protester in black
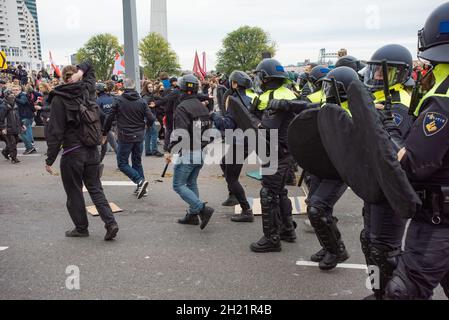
column 79, row 164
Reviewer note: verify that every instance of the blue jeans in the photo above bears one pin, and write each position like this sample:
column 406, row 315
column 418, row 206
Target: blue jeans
column 151, row 136
column 185, row 184
column 27, row 136
column 135, row 173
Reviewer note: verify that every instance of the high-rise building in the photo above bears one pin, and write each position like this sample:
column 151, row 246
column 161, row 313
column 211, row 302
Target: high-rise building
column 19, row 33
column 159, row 17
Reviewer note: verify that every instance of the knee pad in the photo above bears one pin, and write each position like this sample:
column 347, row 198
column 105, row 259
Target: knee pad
column 397, row 289
column 268, row 197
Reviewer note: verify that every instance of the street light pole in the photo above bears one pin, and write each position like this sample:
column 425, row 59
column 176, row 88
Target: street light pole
column 131, row 41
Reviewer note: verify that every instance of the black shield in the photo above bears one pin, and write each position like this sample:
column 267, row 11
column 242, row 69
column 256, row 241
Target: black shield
column 382, row 156
column 221, row 90
column 306, row 147
column 339, row 137
column 243, row 117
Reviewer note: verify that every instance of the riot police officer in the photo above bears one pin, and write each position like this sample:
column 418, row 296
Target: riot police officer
column 241, row 85
column 351, row 62
column 383, row 231
column 324, row 193
column 276, row 206
column 425, row 158
column 316, row 76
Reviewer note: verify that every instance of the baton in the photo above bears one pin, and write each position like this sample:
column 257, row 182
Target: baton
column 165, row 170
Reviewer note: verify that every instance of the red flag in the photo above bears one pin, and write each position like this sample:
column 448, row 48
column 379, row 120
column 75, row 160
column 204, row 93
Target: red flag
column 54, row 67
column 197, row 68
column 204, row 63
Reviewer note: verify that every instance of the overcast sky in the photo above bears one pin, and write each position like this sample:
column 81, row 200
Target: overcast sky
column 299, row 27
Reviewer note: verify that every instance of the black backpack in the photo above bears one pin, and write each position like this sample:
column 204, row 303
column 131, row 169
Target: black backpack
column 90, row 131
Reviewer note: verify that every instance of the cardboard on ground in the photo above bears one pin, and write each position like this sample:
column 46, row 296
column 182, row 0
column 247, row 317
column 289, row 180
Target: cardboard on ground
column 93, row 210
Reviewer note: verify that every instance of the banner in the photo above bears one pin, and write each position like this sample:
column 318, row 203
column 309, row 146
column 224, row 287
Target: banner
column 54, row 67
column 119, row 65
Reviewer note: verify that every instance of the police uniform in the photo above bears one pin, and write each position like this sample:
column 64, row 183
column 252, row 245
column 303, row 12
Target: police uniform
column 325, row 193
column 276, row 206
column 381, row 238
column 425, row 262
column 232, row 163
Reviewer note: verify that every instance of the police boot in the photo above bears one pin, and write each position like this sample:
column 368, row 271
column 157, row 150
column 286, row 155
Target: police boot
column 386, row 260
column 319, row 256
column 231, row 202
column 288, row 233
column 245, row 216
column 329, row 237
column 331, row 260
column 271, row 241
column 289, row 226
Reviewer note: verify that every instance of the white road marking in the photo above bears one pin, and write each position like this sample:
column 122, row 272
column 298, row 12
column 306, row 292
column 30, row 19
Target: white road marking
column 3, row 248
column 341, row 266
column 299, row 206
column 115, row 184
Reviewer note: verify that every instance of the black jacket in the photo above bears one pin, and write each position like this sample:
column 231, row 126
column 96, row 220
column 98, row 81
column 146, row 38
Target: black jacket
column 132, row 114
column 189, row 114
column 10, row 118
column 64, row 126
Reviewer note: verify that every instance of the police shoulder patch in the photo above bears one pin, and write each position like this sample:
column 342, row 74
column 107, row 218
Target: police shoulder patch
column 433, row 123
column 398, row 119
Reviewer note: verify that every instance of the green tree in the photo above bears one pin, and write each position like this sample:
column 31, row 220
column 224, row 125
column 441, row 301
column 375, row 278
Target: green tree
column 157, row 56
column 243, row 48
column 100, row 50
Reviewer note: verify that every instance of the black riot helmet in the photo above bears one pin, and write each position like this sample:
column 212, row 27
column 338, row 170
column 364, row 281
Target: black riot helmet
column 318, row 73
column 433, row 43
column 351, row 62
column 242, row 79
column 400, row 67
column 189, row 83
column 270, row 69
column 303, row 79
column 343, row 76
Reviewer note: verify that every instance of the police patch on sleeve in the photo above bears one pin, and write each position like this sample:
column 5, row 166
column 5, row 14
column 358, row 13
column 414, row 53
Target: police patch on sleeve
column 434, row 123
column 398, row 119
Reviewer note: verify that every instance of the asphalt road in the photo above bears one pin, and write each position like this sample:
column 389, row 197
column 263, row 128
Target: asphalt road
column 154, row 257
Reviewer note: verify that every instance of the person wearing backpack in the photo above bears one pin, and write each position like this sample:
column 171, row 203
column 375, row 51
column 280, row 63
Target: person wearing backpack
column 75, row 127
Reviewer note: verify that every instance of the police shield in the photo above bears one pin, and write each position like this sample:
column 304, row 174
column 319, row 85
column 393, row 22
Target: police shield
column 339, row 138
column 382, row 156
column 306, row 147
column 244, row 118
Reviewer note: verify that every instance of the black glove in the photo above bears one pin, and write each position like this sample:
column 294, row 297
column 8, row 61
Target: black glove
column 279, row 105
column 390, row 126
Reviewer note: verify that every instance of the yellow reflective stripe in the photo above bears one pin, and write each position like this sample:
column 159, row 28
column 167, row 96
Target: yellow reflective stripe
column 441, row 72
column 280, row 94
column 252, row 95
column 404, row 95
column 317, row 97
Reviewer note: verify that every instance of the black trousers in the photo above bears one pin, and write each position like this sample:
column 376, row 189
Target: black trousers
column 11, row 145
column 382, row 226
column 276, row 203
column 232, row 170
column 79, row 167
column 425, row 262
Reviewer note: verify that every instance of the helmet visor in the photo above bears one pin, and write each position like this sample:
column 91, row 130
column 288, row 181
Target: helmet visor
column 374, row 77
column 329, row 92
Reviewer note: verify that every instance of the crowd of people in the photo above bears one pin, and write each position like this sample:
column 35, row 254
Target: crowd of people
column 80, row 114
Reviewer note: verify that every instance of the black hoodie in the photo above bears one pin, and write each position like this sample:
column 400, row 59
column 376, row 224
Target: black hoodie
column 132, row 114
column 10, row 118
column 64, row 126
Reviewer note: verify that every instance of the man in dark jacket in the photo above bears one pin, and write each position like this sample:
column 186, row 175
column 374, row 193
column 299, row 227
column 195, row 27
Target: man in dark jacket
column 26, row 111
column 10, row 126
column 79, row 164
column 133, row 115
column 105, row 101
column 191, row 122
